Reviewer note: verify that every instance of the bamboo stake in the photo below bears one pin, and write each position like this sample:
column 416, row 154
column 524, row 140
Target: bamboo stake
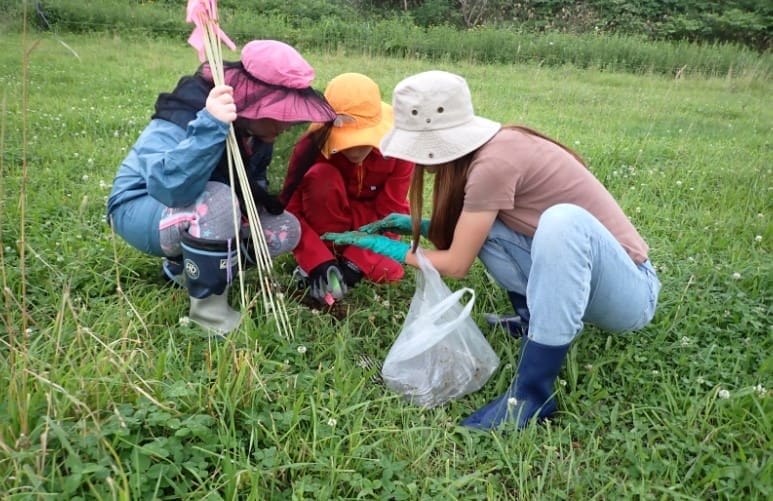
column 264, row 264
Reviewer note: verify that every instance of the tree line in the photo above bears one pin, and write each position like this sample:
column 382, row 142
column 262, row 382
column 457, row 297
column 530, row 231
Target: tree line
column 745, row 22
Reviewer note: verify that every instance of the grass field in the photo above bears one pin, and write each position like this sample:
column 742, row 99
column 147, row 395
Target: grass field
column 104, row 394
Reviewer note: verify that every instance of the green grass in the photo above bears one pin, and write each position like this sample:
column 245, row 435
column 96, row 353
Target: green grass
column 104, row 394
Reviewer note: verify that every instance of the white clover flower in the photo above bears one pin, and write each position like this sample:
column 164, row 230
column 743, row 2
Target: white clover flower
column 736, row 276
column 655, row 372
column 512, row 402
column 85, row 178
column 184, row 321
column 301, row 349
column 685, row 341
column 724, row 394
column 761, row 391
column 314, row 311
column 332, row 422
column 700, row 380
column 758, row 238
column 679, row 183
column 562, row 382
column 385, row 303
column 588, row 367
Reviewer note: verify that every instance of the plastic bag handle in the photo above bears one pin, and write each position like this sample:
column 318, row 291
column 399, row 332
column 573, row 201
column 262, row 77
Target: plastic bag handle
column 402, row 350
column 430, row 273
column 450, row 302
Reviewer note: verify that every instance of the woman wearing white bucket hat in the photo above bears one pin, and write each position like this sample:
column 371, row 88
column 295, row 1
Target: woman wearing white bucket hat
column 544, row 227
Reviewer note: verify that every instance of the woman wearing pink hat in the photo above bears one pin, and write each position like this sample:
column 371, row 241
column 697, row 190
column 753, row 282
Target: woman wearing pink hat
column 171, row 198
column 544, row 227
column 338, row 180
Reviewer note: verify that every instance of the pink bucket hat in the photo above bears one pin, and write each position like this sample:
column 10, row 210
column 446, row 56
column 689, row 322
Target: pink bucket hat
column 434, row 120
column 274, row 81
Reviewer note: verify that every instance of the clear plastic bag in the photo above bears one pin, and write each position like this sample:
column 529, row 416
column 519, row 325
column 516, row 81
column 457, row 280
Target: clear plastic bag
column 440, row 353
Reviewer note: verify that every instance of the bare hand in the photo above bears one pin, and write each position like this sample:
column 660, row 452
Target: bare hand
column 220, row 103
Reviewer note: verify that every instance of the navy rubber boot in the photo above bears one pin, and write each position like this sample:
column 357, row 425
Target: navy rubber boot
column 249, row 257
column 172, row 271
column 530, row 394
column 516, row 325
column 210, row 266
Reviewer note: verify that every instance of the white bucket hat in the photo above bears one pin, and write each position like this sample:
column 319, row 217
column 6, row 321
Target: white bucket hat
column 434, row 122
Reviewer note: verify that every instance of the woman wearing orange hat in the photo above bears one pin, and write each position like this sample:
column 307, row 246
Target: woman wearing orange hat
column 170, row 196
column 338, row 180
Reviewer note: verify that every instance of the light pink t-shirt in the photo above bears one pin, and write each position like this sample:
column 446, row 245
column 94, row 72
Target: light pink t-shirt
column 521, row 175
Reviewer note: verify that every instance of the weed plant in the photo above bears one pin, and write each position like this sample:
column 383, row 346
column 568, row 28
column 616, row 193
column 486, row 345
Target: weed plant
column 107, row 393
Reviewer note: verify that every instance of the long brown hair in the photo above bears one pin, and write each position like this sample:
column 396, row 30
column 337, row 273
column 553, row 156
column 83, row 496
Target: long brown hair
column 448, row 193
column 303, row 159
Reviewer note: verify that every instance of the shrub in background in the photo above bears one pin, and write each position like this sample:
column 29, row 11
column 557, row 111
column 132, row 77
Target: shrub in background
column 565, row 38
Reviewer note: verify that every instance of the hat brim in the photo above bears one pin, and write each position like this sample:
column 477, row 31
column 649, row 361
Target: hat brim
column 287, row 106
column 342, row 138
column 433, row 147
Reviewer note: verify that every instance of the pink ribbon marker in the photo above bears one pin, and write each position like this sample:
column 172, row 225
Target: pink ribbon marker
column 200, row 12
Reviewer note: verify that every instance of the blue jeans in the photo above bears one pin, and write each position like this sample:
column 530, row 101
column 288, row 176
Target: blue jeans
column 572, row 271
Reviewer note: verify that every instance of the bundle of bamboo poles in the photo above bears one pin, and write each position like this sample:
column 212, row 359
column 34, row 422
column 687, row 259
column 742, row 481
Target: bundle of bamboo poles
column 204, row 14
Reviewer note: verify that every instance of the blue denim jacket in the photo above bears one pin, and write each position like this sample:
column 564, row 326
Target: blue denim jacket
column 169, row 163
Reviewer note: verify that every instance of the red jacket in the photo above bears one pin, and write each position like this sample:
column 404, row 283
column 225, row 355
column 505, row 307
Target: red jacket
column 336, row 195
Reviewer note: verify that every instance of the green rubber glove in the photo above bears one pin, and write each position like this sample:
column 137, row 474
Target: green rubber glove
column 395, row 223
column 379, row 244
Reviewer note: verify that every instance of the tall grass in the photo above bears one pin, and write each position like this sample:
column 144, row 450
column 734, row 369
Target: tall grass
column 106, row 394
column 323, row 27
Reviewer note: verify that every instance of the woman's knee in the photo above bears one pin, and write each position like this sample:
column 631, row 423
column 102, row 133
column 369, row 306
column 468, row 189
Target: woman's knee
column 561, row 226
column 214, row 212
column 560, row 216
column 282, row 232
